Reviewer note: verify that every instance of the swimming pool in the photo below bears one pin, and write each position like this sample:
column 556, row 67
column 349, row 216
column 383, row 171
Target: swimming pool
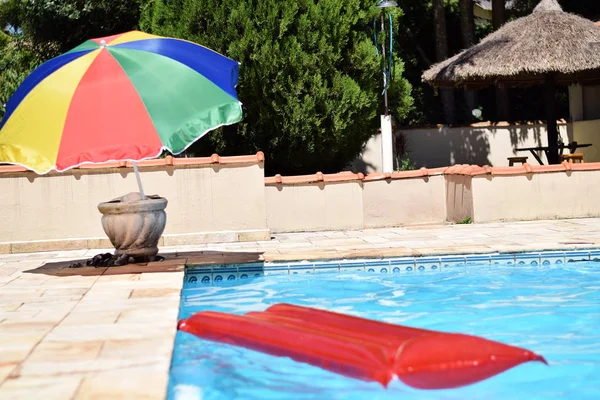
column 547, row 303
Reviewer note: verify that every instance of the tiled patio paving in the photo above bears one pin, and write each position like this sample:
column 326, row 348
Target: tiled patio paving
column 107, row 333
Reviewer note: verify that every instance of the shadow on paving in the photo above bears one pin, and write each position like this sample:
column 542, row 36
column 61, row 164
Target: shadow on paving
column 173, row 262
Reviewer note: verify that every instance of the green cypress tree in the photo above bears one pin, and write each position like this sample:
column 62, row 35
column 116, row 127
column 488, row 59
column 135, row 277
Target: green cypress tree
column 310, row 78
column 17, row 60
column 43, row 29
column 56, row 26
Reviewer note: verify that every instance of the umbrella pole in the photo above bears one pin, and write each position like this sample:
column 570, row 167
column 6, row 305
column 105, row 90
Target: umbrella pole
column 139, row 180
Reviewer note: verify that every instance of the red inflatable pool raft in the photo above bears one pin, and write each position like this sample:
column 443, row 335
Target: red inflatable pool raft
column 361, row 348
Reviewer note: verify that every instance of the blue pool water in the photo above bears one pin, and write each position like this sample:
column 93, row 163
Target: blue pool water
column 551, row 310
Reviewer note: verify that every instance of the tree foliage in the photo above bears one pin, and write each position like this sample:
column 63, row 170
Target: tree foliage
column 417, row 47
column 56, row 26
column 39, row 30
column 310, row 78
column 16, row 62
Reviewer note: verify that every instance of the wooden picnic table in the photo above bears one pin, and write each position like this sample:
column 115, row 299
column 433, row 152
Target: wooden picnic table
column 573, row 146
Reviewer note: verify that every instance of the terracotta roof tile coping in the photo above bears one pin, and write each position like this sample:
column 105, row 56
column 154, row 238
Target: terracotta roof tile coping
column 159, row 162
column 475, row 170
column 344, row 176
column 418, row 173
column 459, row 169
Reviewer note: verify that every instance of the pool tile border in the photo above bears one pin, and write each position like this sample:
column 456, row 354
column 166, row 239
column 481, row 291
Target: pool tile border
column 595, row 255
column 572, row 256
column 503, row 259
column 452, row 261
column 202, row 275
column 478, row 258
column 531, row 259
column 552, row 258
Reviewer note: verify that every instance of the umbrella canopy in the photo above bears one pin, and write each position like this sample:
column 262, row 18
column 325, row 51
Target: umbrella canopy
column 124, row 97
column 526, row 50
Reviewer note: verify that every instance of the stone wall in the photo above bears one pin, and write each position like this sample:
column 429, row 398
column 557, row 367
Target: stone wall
column 211, row 199
column 426, row 196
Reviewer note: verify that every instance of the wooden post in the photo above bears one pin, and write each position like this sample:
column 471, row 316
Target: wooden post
column 551, row 126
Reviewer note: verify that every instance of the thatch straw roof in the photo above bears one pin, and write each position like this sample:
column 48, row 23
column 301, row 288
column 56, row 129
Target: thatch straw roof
column 525, row 51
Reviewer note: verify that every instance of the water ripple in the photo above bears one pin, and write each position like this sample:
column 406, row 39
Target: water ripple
column 553, row 311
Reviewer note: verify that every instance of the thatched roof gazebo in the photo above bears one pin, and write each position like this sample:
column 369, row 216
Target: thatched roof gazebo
column 547, row 47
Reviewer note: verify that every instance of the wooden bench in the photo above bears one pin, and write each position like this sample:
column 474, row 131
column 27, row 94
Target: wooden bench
column 571, row 158
column 513, row 160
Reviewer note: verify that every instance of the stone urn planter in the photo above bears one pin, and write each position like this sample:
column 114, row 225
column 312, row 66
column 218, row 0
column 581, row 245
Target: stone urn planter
column 134, row 225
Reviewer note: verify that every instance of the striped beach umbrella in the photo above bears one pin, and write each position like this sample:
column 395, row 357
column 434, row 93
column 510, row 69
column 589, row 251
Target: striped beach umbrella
column 124, row 97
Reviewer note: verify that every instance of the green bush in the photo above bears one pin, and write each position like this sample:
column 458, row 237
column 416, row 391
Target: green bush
column 56, row 26
column 310, row 78
column 49, row 27
column 16, row 62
